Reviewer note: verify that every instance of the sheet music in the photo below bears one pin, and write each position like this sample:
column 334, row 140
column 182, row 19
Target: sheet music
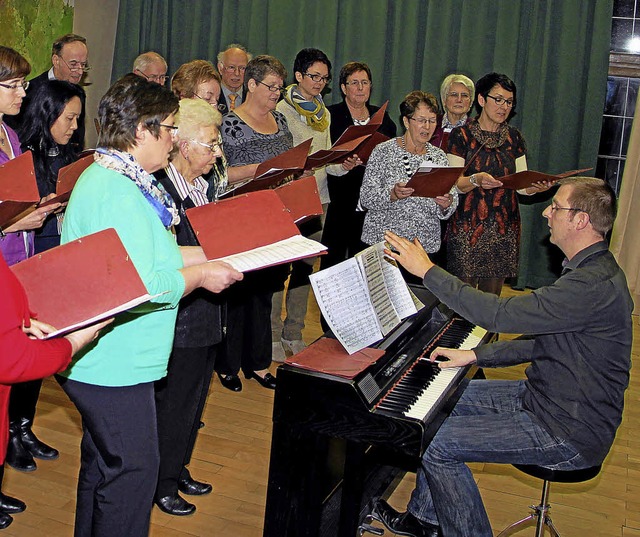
column 343, row 298
column 370, row 260
column 296, row 247
column 363, row 298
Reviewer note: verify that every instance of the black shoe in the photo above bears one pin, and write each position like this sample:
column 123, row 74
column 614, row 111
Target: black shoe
column 402, row 523
column 18, row 456
column 5, row 520
column 11, row 505
column 175, row 505
column 201, row 425
column 36, row 447
column 269, row 381
column 231, row 382
column 193, row 488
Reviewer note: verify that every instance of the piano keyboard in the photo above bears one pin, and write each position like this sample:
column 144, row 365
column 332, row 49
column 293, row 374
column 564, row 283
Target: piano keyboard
column 424, row 384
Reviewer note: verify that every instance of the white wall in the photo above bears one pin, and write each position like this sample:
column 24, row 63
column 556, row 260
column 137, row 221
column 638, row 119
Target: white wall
column 96, row 20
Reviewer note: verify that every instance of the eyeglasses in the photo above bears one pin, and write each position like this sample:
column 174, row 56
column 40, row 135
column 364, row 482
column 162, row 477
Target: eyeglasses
column 215, row 147
column 363, row 83
column 24, row 85
column 273, row 89
column 424, row 121
column 555, row 208
column 463, row 96
column 235, row 68
column 501, row 100
column 173, row 129
column 160, row 79
column 210, row 99
column 75, row 65
column 318, row 78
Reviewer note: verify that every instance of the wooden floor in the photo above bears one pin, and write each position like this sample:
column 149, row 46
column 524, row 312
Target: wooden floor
column 233, row 453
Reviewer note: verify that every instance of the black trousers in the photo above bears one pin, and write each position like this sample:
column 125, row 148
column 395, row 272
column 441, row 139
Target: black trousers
column 119, row 458
column 180, row 400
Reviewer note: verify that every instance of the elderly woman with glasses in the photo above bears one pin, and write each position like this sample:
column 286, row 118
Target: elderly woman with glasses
column 343, row 226
column 384, row 193
column 456, row 93
column 483, row 235
column 197, row 79
column 181, row 395
column 112, row 384
column 308, row 118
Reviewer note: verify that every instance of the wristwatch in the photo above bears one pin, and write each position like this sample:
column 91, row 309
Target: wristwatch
column 473, row 180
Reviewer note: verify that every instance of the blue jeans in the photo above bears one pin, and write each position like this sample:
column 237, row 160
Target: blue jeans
column 487, row 425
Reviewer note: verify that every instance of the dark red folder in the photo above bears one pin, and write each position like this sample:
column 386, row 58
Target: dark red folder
column 18, row 188
column 81, row 282
column 435, row 182
column 301, row 198
column 526, row 178
column 67, row 179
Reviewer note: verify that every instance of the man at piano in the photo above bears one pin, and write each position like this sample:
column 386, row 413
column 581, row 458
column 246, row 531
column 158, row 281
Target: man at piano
column 564, row 415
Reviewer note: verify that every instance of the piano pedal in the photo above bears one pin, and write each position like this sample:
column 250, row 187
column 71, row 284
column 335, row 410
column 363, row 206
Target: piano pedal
column 366, row 526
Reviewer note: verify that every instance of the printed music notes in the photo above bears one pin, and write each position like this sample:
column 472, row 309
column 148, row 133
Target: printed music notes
column 363, row 298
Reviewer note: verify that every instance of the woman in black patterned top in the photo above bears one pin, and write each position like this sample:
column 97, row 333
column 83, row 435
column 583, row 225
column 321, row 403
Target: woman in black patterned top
column 483, row 235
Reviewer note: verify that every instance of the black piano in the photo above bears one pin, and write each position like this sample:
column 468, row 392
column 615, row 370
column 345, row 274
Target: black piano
column 339, row 443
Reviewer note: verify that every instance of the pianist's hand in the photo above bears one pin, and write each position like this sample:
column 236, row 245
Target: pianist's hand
column 453, row 357
column 410, row 255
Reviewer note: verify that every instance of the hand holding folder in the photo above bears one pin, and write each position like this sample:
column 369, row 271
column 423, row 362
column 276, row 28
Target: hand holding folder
column 431, row 181
column 81, row 282
column 526, row 178
column 250, row 231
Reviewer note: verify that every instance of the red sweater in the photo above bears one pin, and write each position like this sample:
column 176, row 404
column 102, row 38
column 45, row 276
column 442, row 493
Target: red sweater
column 21, row 358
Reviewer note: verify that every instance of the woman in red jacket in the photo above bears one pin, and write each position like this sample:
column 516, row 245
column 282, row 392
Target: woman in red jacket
column 25, row 356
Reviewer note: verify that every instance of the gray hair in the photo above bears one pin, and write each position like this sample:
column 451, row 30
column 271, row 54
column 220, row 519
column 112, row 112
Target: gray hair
column 234, row 45
column 455, row 78
column 194, row 114
column 147, row 58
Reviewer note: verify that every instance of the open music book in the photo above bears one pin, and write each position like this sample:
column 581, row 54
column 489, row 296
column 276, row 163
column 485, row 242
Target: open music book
column 250, row 231
column 431, row 180
column 363, row 298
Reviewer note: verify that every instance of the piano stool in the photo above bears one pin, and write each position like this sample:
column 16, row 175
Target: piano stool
column 540, row 512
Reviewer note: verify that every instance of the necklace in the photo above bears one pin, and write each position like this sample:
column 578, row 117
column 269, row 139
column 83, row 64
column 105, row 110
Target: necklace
column 416, row 152
column 358, row 114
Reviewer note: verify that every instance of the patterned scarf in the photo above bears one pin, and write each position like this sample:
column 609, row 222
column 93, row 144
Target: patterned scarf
column 314, row 111
column 125, row 164
column 488, row 139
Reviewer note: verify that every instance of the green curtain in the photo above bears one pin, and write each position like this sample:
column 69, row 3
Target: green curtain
column 555, row 50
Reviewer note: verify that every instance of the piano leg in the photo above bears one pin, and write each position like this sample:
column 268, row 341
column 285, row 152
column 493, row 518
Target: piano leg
column 352, row 489
column 294, row 494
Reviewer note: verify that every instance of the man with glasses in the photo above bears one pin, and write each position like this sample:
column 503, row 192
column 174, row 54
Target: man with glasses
column 232, row 63
column 151, row 66
column 565, row 414
column 69, row 55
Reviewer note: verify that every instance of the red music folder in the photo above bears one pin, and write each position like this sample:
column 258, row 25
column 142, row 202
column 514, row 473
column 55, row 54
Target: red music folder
column 336, row 154
column 250, row 231
column 18, row 188
column 526, row 178
column 301, row 198
column 365, row 150
column 81, row 282
column 432, row 181
column 272, row 171
column 327, row 355
column 67, row 179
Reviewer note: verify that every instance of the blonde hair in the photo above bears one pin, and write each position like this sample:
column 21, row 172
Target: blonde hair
column 455, row 78
column 186, row 79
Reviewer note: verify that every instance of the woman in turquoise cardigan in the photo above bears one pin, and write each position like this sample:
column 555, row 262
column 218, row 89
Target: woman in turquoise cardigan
column 112, row 383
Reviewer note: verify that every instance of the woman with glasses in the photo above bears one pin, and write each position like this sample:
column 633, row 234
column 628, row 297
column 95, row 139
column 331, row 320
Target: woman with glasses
column 181, row 395
column 252, row 133
column 308, row 118
column 456, row 93
column 384, row 193
column 112, row 383
column 483, row 235
column 50, row 118
column 197, row 79
column 343, row 226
